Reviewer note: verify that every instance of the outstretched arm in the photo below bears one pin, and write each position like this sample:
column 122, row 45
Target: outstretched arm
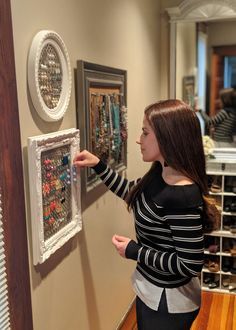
column 115, row 182
column 216, row 120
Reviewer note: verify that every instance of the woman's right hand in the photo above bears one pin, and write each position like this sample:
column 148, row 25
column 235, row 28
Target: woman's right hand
column 85, row 159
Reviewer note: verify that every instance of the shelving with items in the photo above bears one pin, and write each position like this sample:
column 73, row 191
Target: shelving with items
column 219, row 271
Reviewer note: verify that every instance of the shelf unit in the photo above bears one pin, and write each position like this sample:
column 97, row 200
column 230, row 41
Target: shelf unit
column 219, row 271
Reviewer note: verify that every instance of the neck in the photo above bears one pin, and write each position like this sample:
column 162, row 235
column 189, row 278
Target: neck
column 172, row 176
column 168, row 170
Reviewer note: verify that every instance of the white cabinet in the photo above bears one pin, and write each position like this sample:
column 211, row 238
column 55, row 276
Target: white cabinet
column 219, row 271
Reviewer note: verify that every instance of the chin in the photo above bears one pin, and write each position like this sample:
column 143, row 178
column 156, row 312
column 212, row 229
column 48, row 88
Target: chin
column 146, row 160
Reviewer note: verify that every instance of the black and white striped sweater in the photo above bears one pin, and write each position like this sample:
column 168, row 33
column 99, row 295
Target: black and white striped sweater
column 168, row 224
column 224, row 124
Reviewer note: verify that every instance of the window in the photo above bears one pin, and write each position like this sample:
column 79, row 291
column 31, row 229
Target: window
column 229, row 71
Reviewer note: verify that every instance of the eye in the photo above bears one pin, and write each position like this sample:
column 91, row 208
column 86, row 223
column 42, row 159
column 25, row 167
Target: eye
column 144, row 132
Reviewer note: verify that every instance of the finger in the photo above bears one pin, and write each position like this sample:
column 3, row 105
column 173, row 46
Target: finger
column 80, row 163
column 79, row 158
column 80, row 155
column 114, row 240
column 119, row 238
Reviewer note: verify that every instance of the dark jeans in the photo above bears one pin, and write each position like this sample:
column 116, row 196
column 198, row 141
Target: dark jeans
column 148, row 319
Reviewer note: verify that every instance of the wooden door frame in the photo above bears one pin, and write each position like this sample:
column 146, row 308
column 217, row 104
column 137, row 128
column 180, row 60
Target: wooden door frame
column 11, row 182
column 218, row 53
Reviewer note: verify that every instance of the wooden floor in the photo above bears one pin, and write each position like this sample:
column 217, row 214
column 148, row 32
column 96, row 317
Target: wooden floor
column 218, row 312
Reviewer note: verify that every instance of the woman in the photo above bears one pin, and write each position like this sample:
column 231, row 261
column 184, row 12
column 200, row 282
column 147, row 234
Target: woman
column 170, row 213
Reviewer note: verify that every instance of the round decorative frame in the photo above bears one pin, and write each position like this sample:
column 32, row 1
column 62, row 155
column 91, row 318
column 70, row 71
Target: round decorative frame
column 49, row 75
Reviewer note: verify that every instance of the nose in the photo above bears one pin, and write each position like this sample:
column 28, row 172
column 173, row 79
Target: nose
column 138, row 141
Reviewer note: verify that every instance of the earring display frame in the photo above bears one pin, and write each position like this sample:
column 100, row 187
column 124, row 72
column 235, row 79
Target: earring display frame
column 49, row 75
column 54, row 191
column 102, row 120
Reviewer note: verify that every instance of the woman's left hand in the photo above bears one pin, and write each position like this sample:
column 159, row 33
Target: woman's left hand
column 120, row 243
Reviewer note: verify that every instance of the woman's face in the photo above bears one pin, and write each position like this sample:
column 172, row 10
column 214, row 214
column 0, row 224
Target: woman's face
column 148, row 143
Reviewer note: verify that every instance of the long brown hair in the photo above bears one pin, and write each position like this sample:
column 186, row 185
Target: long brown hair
column 177, row 130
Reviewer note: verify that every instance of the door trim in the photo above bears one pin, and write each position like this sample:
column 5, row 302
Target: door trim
column 11, row 181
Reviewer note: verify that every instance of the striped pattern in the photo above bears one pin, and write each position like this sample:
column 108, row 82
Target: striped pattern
column 170, row 241
column 224, row 124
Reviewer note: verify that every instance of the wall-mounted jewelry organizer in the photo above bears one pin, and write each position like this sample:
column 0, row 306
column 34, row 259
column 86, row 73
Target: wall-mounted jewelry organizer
column 49, row 75
column 54, row 191
column 102, row 120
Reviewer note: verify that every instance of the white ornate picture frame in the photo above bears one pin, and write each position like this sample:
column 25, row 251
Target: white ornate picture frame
column 55, row 192
column 49, row 75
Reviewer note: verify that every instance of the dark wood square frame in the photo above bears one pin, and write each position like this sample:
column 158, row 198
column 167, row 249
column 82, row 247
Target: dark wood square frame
column 92, row 76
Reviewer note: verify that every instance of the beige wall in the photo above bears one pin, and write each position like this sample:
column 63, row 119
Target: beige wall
column 221, row 33
column 86, row 285
column 185, row 54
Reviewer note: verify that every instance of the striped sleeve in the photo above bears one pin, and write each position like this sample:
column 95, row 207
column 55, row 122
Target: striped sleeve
column 216, row 120
column 186, row 258
column 115, row 182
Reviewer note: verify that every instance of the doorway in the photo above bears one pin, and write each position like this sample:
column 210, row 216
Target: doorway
column 222, row 67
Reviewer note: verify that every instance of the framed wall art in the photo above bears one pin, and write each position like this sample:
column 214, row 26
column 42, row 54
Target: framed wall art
column 49, row 75
column 189, row 90
column 102, row 120
column 54, row 191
